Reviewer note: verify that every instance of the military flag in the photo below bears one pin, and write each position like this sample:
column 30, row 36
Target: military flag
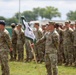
column 28, row 30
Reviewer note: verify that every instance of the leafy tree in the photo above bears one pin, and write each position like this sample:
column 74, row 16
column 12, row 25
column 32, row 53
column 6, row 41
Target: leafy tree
column 48, row 12
column 29, row 15
column 71, row 15
column 39, row 11
column 2, row 18
column 11, row 20
column 51, row 12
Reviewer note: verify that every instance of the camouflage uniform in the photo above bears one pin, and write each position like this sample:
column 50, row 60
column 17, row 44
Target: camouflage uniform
column 13, row 53
column 20, row 43
column 29, row 55
column 38, row 49
column 14, row 44
column 68, row 45
column 51, row 46
column 60, row 51
column 43, row 47
column 5, row 44
column 74, row 44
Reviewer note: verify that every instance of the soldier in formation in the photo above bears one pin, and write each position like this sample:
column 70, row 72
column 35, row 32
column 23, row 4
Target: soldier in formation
column 19, row 38
column 14, row 42
column 5, row 48
column 29, row 55
column 51, row 48
column 68, row 44
column 65, row 51
column 60, row 51
column 38, row 49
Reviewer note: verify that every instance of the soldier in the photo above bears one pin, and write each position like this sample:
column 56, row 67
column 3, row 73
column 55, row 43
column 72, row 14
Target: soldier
column 68, row 44
column 13, row 54
column 5, row 45
column 74, row 44
column 43, row 28
column 38, row 49
column 72, row 25
column 29, row 55
column 51, row 46
column 20, row 41
column 14, row 42
column 60, row 51
column 43, row 44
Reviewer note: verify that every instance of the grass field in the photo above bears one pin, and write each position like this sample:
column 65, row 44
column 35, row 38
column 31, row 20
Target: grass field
column 21, row 68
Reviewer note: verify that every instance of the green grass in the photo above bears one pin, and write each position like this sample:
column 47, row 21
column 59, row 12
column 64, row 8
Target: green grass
column 21, row 68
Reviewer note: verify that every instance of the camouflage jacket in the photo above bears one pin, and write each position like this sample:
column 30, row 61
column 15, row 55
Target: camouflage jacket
column 60, row 32
column 18, row 36
column 74, row 37
column 51, row 41
column 68, row 36
column 38, row 34
column 5, row 40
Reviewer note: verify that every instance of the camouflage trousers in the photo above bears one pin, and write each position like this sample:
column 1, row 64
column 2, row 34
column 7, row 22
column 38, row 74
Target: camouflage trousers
column 39, row 53
column 74, row 55
column 51, row 64
column 29, row 55
column 68, row 51
column 4, row 63
column 60, row 55
column 14, row 51
column 20, row 52
column 13, row 54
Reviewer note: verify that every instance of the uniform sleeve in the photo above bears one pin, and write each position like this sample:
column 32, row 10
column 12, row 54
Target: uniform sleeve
column 71, row 36
column 23, row 37
column 56, row 40
column 8, row 40
column 14, row 37
column 40, row 34
column 41, row 40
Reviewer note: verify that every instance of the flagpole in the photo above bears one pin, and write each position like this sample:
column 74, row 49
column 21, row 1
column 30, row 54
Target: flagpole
column 39, row 72
column 19, row 10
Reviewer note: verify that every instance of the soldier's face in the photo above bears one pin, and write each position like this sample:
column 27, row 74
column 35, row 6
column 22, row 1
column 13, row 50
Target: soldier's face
column 36, row 26
column 43, row 27
column 2, row 27
column 18, row 27
column 50, row 27
column 67, row 25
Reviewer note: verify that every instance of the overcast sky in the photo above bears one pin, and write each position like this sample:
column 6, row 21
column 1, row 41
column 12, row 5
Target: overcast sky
column 9, row 7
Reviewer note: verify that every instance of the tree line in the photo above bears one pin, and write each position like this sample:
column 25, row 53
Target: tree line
column 48, row 12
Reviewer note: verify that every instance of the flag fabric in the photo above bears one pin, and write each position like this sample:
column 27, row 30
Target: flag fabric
column 28, row 31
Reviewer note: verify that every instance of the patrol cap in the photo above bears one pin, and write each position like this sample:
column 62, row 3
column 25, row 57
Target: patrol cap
column 43, row 24
column 51, row 23
column 36, row 23
column 2, row 22
column 19, row 24
column 13, row 24
column 72, row 23
column 67, row 22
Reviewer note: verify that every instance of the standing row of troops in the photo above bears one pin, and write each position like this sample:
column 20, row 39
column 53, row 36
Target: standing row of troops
column 66, row 50
column 54, row 40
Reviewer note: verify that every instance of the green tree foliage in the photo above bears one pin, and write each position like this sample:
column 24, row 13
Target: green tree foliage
column 51, row 12
column 48, row 12
column 2, row 18
column 71, row 15
column 11, row 20
column 16, row 15
column 29, row 15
